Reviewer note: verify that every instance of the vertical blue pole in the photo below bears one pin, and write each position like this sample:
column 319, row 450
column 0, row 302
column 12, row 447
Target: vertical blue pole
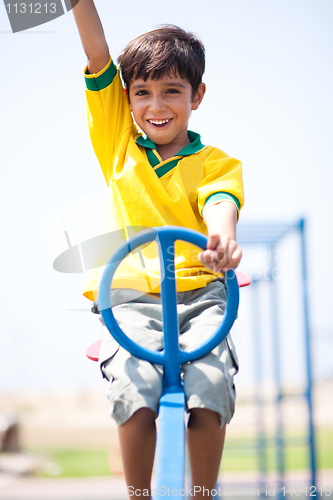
column 279, row 441
column 311, row 437
column 258, row 378
column 170, row 454
column 172, row 379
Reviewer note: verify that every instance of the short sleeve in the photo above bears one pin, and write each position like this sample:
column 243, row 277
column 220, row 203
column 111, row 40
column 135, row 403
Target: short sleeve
column 216, row 198
column 108, row 113
column 223, row 176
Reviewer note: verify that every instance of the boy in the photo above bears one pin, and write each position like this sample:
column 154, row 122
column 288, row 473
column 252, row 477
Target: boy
column 166, row 178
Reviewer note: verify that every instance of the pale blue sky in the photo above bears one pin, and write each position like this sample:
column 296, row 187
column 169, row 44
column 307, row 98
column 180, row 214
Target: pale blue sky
column 268, row 103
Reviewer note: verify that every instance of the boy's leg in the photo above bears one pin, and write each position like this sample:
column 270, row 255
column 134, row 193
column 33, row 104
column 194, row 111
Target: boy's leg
column 205, row 440
column 137, row 439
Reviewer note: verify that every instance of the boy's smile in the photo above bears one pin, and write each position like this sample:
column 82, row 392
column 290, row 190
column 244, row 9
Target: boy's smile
column 162, row 108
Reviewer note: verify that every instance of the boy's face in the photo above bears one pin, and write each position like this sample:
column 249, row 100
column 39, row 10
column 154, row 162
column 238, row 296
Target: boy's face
column 162, row 108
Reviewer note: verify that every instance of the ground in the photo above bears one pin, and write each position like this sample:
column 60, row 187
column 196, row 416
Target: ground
column 80, row 420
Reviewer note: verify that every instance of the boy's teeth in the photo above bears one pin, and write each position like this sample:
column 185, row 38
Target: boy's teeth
column 159, row 122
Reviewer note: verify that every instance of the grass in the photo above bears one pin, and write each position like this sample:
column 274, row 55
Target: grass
column 239, row 455
column 75, row 463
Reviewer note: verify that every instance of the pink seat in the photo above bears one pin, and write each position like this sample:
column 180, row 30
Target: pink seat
column 93, row 350
column 243, row 278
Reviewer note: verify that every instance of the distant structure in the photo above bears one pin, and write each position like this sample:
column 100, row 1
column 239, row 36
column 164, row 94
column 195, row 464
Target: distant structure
column 269, row 235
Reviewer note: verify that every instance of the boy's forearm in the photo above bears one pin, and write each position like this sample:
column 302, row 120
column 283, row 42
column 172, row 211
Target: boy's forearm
column 221, row 219
column 91, row 34
column 222, row 252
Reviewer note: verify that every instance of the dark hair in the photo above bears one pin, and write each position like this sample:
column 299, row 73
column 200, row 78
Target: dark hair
column 167, row 50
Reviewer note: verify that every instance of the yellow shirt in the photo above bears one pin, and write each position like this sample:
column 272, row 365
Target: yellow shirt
column 145, row 191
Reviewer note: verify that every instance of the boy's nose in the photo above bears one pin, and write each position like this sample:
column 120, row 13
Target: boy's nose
column 157, row 103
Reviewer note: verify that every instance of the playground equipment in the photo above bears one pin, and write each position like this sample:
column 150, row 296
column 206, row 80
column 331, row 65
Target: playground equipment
column 267, row 235
column 170, row 455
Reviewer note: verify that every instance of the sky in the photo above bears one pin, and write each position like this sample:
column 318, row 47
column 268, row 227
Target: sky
column 269, row 103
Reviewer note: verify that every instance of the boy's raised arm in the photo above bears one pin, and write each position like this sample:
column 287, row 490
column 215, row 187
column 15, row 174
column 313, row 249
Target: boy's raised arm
column 92, row 35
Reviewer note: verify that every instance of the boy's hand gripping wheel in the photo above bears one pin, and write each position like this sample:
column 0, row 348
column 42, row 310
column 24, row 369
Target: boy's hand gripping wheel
column 170, row 457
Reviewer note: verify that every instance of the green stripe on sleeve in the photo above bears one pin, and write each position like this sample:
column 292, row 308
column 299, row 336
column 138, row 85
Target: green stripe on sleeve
column 101, row 81
column 221, row 196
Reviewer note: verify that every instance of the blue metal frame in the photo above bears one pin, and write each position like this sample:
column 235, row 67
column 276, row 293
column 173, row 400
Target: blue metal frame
column 269, row 234
column 258, row 373
column 279, row 431
column 311, row 437
column 170, row 457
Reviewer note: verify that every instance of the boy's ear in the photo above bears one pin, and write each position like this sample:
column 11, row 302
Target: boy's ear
column 198, row 96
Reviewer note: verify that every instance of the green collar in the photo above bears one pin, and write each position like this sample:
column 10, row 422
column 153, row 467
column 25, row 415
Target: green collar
column 195, row 146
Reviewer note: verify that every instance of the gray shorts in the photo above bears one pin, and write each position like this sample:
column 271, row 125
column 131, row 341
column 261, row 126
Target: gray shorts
column 134, row 383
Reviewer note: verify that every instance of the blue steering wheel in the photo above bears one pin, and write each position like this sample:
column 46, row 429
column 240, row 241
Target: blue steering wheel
column 171, row 357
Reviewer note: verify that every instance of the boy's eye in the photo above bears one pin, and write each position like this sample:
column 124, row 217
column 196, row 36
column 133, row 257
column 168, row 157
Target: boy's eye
column 173, row 91
column 141, row 92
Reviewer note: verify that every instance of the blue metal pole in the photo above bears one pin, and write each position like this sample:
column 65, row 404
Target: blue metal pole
column 311, row 437
column 170, row 453
column 279, row 440
column 258, row 378
column 169, row 313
